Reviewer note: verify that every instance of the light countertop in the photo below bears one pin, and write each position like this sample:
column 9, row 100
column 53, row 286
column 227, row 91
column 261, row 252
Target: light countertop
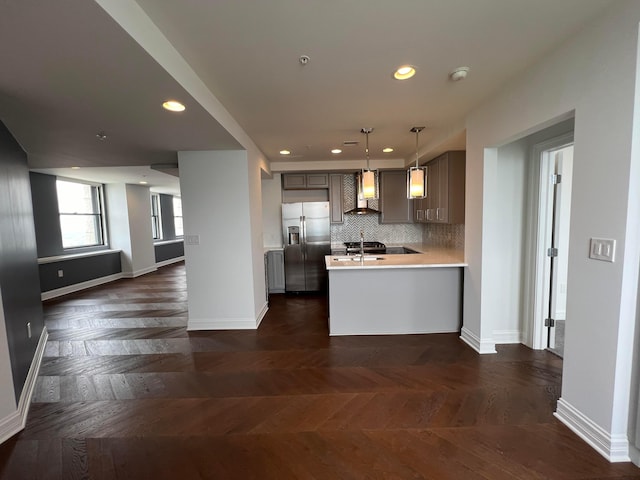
column 430, row 257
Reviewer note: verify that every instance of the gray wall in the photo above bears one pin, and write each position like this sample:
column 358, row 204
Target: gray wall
column 169, row 250
column 46, row 218
column 78, row 270
column 166, row 216
column 18, row 259
column 45, row 214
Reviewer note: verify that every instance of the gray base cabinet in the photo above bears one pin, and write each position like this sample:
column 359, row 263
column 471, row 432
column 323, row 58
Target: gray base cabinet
column 275, row 271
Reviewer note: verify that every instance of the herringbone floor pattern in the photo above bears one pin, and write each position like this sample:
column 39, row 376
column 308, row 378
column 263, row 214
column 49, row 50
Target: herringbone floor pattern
column 125, row 392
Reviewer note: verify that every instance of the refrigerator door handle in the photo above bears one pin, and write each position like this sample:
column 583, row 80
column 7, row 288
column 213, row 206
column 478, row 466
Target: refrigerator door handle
column 303, row 240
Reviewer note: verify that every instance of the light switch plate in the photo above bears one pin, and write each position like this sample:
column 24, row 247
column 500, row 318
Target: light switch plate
column 602, row 249
column 192, row 240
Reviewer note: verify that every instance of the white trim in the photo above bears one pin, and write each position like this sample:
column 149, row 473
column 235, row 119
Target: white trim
column 168, row 242
column 169, row 261
column 221, row 324
column 76, row 287
column 507, row 336
column 263, row 312
column 73, row 256
column 480, row 346
column 15, row 422
column 615, row 448
column 140, row 272
column 536, row 291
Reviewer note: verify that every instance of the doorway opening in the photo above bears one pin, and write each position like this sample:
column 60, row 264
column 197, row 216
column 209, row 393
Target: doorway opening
column 555, row 160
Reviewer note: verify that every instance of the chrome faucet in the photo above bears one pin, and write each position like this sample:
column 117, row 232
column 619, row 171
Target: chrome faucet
column 362, row 243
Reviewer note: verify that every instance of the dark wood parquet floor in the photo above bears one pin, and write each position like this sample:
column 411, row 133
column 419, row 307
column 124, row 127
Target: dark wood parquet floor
column 125, row 392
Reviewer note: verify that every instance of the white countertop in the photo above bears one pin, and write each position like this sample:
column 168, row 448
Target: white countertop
column 430, row 257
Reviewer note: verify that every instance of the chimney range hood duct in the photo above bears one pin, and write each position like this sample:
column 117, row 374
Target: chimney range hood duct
column 362, row 206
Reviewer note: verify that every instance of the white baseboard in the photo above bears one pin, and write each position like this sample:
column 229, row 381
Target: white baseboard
column 614, row 448
column 480, row 346
column 221, row 324
column 16, row 421
column 76, row 287
column 138, row 273
column 262, row 313
column 164, row 263
column 507, row 336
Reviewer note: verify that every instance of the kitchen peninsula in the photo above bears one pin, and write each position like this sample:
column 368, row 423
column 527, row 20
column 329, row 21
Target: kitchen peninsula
column 396, row 294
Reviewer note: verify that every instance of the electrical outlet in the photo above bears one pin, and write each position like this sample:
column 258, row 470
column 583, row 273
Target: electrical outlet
column 29, row 329
column 60, row 273
column 602, row 249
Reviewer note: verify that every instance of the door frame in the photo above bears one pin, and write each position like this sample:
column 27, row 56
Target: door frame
column 539, row 212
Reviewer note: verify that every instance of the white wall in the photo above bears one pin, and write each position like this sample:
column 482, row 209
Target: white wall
column 272, row 211
column 509, row 217
column 139, row 210
column 595, row 75
column 222, row 269
column 129, row 226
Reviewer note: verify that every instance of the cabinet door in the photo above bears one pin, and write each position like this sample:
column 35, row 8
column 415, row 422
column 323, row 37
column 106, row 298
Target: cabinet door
column 294, row 181
column 394, row 205
column 442, row 204
column 275, row 271
column 336, row 194
column 456, row 186
column 317, row 180
column 432, row 191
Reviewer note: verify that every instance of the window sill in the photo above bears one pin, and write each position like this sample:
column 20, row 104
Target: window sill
column 167, row 242
column 59, row 258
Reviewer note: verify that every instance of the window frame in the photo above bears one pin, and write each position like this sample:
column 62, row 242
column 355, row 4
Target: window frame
column 156, row 217
column 175, row 229
column 100, row 222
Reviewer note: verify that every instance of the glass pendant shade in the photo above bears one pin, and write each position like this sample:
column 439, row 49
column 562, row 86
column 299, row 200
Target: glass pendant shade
column 417, row 176
column 368, row 185
column 417, row 182
column 368, row 180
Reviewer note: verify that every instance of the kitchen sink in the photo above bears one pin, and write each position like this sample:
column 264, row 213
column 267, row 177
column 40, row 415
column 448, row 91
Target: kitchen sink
column 357, row 258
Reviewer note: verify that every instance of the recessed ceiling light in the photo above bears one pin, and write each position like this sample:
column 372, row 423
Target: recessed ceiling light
column 387, row 150
column 142, row 182
column 101, row 136
column 336, row 150
column 173, row 106
column 404, row 72
column 75, row 168
column 285, row 152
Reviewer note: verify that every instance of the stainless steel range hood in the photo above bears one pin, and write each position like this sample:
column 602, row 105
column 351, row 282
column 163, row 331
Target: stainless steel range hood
column 362, row 206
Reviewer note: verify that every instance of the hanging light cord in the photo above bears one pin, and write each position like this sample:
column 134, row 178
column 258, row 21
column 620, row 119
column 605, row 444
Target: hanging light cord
column 366, row 132
column 417, row 130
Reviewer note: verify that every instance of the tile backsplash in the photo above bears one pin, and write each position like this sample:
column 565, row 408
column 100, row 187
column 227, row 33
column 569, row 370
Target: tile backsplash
column 436, row 235
column 442, row 235
column 349, row 231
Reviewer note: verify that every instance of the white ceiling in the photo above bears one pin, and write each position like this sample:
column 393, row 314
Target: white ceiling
column 70, row 71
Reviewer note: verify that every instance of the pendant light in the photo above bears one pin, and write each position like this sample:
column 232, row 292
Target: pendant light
column 368, row 181
column 417, row 176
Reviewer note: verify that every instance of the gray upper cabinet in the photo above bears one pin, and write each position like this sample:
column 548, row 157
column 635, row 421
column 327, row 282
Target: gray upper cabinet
column 445, row 190
column 336, row 193
column 301, row 181
column 395, row 207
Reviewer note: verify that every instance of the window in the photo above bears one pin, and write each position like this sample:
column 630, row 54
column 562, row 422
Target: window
column 80, row 209
column 177, row 216
column 156, row 224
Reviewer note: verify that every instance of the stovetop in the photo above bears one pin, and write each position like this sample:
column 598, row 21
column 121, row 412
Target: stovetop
column 368, row 246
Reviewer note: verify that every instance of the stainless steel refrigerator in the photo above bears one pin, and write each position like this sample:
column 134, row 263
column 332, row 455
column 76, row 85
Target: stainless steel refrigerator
column 307, row 239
